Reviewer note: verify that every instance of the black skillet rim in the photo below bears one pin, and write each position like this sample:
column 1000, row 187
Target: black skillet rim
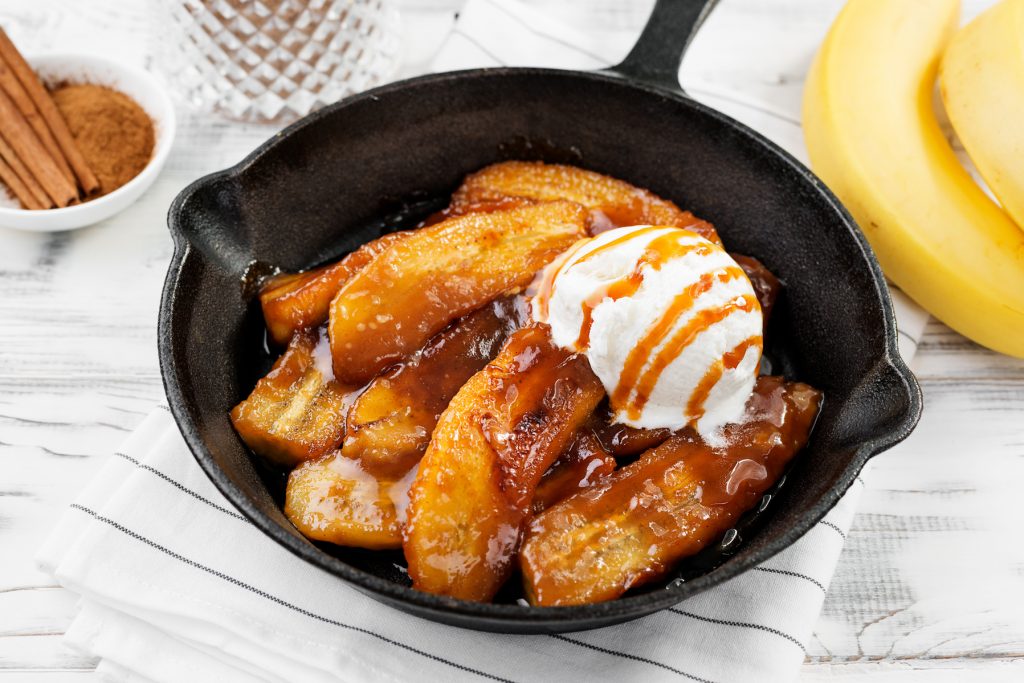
column 513, row 615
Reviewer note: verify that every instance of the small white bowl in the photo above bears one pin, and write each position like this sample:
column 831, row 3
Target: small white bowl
column 136, row 84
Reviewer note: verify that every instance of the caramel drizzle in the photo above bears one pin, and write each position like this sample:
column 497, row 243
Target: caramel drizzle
column 678, row 343
column 730, row 361
column 657, row 332
column 657, row 252
column 611, row 244
column 546, row 286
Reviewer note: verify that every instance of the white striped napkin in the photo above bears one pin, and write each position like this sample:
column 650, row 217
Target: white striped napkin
column 176, row 585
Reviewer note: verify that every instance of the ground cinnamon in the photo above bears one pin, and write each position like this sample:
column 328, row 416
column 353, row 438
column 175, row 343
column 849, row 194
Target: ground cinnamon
column 111, row 130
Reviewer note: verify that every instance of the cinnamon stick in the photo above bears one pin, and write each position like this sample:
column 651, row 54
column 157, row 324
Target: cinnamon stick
column 19, row 189
column 34, row 188
column 16, row 91
column 19, row 135
column 44, row 103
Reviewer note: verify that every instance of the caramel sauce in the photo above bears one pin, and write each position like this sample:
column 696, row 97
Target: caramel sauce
column 589, row 304
column 730, row 361
column 584, row 464
column 639, row 355
column 634, row 525
column 389, row 425
column 611, row 244
column 475, row 484
column 518, row 416
column 660, row 250
column 682, row 339
column 542, row 383
column 546, row 287
column 542, row 286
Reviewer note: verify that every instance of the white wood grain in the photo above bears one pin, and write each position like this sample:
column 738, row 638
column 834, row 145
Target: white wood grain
column 930, row 586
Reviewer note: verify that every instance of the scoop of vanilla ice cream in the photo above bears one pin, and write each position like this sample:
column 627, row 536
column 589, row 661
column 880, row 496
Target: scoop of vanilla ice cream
column 668, row 320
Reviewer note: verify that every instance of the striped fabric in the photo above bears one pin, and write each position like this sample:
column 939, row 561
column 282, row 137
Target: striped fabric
column 177, row 585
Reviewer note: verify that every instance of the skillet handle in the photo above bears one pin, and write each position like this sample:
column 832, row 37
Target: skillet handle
column 657, row 54
column 883, row 409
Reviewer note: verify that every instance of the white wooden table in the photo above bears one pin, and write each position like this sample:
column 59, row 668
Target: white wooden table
column 931, row 583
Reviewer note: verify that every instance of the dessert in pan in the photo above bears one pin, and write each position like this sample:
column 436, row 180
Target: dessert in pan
column 558, row 378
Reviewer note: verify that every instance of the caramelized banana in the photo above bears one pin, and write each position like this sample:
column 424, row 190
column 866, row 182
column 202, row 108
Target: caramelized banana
column 334, row 499
column 417, row 287
column 582, row 466
column 390, row 424
column 299, row 301
column 612, row 202
column 296, row 412
column 357, row 496
column 633, row 526
column 489, row 450
column 485, row 206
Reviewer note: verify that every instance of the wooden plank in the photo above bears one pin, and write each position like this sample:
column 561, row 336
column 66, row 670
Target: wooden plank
column 931, row 568
column 918, row 671
column 47, row 652
column 35, row 611
column 947, row 356
column 930, row 577
column 85, row 675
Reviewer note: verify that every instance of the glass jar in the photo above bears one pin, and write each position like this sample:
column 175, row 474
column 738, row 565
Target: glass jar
column 272, row 61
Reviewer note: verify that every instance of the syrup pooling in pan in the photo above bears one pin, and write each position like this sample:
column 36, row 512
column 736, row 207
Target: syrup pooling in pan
column 635, row 525
column 487, row 390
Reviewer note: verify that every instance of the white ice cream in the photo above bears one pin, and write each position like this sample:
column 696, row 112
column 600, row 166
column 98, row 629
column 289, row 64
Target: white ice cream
column 683, row 348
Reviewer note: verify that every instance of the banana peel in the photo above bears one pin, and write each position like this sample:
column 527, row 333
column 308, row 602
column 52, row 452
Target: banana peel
column 873, row 137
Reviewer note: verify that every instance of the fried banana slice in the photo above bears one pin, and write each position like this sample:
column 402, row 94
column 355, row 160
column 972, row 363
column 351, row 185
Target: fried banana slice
column 582, row 466
column 766, row 286
column 299, row 301
column 390, row 424
column 357, row 496
column 632, row 527
column 485, row 206
column 417, row 287
column 489, row 450
column 334, row 499
column 613, row 202
column 296, row 412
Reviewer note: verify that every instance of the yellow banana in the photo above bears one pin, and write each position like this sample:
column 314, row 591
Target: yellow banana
column 982, row 82
column 874, row 139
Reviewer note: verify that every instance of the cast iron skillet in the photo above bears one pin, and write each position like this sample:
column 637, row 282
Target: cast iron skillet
column 379, row 160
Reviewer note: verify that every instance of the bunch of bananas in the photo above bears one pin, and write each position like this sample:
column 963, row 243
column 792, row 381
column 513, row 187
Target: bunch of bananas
column 871, row 129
